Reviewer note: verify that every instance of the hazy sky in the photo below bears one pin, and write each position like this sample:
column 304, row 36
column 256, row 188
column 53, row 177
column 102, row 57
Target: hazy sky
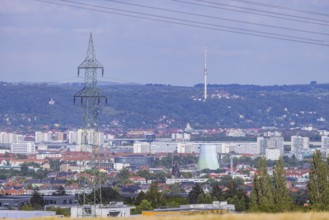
column 43, row 42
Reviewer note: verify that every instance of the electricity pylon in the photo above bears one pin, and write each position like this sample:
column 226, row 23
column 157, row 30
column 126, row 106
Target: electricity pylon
column 90, row 99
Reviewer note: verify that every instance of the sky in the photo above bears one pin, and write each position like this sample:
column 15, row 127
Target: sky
column 44, row 42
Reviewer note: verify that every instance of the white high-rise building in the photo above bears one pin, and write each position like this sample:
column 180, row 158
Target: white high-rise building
column 100, row 137
column 261, row 143
column 41, row 137
column 12, row 137
column 275, row 142
column 324, row 142
column 22, row 148
column 73, row 137
column 78, row 137
column 38, row 137
column 141, row 147
column 273, row 154
column 299, row 143
column 4, row 137
column 8, row 138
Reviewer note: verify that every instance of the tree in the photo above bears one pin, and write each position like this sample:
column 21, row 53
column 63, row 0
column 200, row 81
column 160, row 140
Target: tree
column 109, row 194
column 54, row 164
column 25, row 169
column 217, row 192
column 195, row 193
column 37, row 200
column 318, row 184
column 186, row 174
column 143, row 206
column 204, row 198
column 262, row 198
column 140, row 197
column 60, row 191
column 145, row 174
column 123, row 174
column 154, row 196
column 282, row 198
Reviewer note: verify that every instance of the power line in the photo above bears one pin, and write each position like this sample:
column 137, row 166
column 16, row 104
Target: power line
column 184, row 20
column 264, row 11
column 218, row 18
column 249, row 12
column 281, row 7
column 195, row 22
column 309, row 41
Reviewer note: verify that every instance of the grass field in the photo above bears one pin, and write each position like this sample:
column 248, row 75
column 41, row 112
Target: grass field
column 280, row 216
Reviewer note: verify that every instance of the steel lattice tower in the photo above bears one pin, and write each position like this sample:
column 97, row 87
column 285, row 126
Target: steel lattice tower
column 90, row 99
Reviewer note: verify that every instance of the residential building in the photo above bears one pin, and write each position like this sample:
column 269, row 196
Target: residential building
column 273, row 154
column 23, row 148
column 299, row 143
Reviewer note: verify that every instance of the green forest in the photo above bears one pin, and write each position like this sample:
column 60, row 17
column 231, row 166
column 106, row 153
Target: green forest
column 27, row 106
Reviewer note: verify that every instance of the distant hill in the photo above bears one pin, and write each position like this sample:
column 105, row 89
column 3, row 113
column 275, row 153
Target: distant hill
column 37, row 106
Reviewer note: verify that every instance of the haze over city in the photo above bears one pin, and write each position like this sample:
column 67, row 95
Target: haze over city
column 45, row 41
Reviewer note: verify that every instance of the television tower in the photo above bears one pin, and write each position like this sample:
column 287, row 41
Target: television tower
column 205, row 74
column 90, row 99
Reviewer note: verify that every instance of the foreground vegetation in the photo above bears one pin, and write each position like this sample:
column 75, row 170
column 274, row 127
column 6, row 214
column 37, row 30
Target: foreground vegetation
column 261, row 216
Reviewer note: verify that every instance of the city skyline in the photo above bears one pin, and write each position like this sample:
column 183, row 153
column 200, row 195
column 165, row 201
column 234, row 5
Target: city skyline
column 43, row 42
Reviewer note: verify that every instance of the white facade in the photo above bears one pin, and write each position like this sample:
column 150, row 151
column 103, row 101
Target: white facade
column 78, row 137
column 120, row 166
column 48, row 155
column 105, row 211
column 247, row 148
column 171, row 181
column 261, row 144
column 324, row 142
column 22, row 148
column 273, row 154
column 235, row 133
column 225, row 148
column 9, row 138
column 299, row 143
column 38, row 137
column 181, row 136
column 275, row 142
column 73, row 137
column 100, row 137
column 187, row 148
column 141, row 147
column 163, row 147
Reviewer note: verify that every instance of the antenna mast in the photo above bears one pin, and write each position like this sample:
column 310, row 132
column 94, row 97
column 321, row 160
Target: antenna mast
column 205, row 74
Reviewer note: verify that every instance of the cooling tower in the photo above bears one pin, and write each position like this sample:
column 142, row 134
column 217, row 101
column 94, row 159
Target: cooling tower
column 208, row 157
